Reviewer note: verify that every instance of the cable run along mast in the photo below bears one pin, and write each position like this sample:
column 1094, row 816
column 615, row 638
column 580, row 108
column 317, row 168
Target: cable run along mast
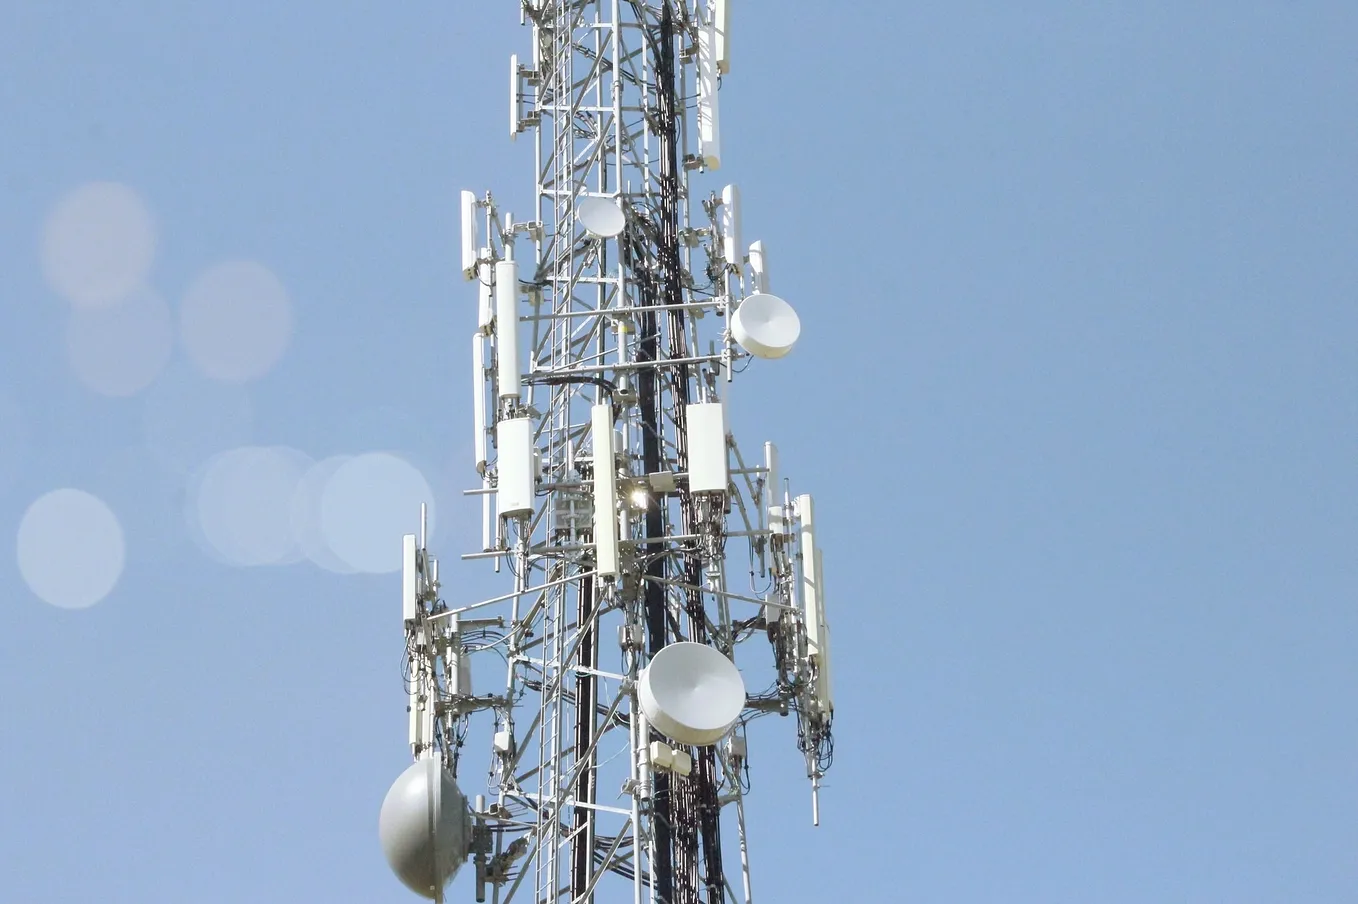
column 651, row 563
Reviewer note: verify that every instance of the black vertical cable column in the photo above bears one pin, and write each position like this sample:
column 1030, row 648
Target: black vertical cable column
column 586, row 703
column 694, row 805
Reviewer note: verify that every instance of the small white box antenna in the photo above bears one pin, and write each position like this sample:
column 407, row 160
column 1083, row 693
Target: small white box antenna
column 409, row 578
column 773, row 493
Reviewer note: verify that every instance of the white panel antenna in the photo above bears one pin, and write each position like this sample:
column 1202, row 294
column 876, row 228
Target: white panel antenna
column 721, row 23
column 709, row 128
column 515, row 97
column 469, row 235
column 773, row 493
column 811, row 590
column 479, row 400
column 759, row 268
column 485, row 298
column 825, row 700
column 507, row 329
column 729, row 225
column 606, row 553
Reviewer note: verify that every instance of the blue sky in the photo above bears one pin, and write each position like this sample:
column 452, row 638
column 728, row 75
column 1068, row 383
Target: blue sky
column 1077, row 394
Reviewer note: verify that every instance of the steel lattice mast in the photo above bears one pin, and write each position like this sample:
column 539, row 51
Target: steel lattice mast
column 614, row 495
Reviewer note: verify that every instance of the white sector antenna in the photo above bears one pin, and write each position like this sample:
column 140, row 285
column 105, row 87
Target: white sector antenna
column 691, row 693
column 730, row 224
column 601, row 217
column 766, row 326
column 709, row 127
column 721, row 24
column 469, row 234
column 759, row 267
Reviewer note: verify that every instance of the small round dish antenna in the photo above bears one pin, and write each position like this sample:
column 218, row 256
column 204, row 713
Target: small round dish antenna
column 691, row 693
column 766, row 326
column 601, row 217
column 425, row 828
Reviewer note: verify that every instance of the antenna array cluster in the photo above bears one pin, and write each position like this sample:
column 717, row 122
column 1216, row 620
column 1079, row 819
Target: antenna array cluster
column 626, row 518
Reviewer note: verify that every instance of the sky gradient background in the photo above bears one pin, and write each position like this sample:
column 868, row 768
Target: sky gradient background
column 1077, row 394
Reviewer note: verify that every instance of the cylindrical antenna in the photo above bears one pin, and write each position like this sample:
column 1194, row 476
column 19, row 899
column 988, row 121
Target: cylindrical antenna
column 729, row 224
column 507, row 328
column 469, row 235
column 759, row 267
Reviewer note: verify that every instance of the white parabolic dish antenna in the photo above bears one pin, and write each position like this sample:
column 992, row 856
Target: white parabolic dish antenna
column 691, row 693
column 425, row 827
column 766, row 326
column 602, row 217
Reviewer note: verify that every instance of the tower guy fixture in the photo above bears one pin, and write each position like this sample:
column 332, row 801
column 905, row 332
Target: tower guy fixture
column 650, row 562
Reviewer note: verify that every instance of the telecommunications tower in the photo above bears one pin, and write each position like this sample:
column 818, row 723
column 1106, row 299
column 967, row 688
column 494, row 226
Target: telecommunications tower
column 663, row 586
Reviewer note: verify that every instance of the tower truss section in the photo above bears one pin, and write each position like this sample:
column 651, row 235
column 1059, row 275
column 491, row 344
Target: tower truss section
column 663, row 587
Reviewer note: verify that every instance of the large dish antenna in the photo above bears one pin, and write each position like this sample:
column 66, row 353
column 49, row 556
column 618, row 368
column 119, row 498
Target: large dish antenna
column 601, row 217
column 425, row 828
column 691, row 693
column 766, row 326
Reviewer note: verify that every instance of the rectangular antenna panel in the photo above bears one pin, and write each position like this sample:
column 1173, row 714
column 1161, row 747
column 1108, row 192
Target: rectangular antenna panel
column 479, row 400
column 514, row 439
column 515, row 98
column 811, row 590
column 759, row 267
column 469, row 235
column 458, row 661
column 721, row 22
column 410, row 579
column 605, row 490
column 707, row 461
column 485, row 299
column 773, row 493
column 824, row 690
column 730, row 224
column 709, row 131
column 507, row 328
